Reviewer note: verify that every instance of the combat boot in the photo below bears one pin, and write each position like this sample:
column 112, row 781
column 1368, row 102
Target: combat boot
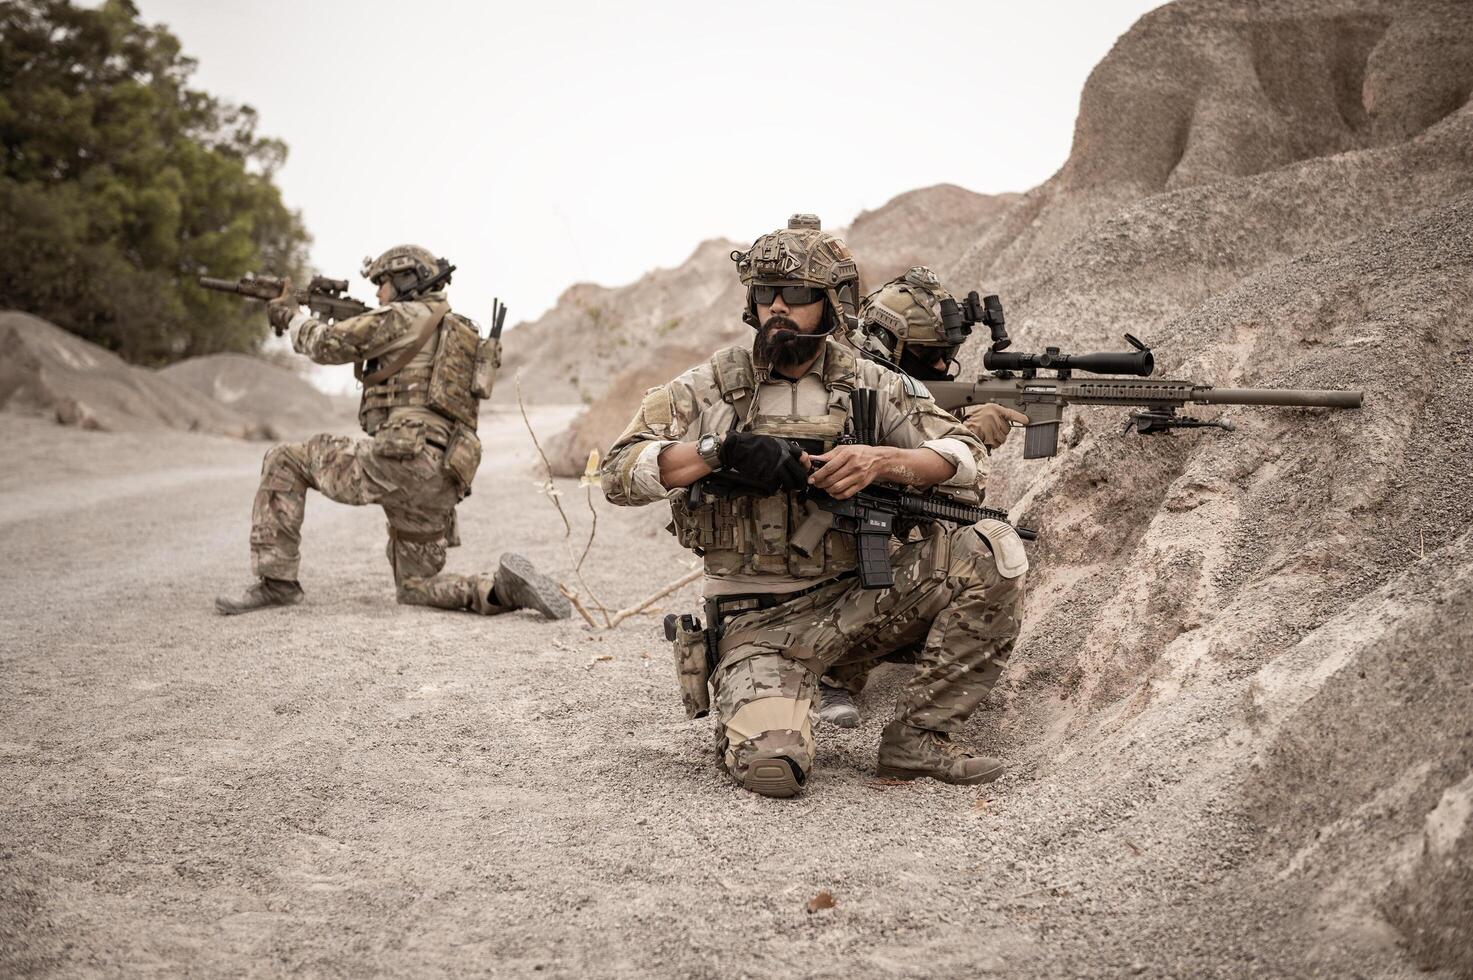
column 838, row 708
column 907, row 752
column 264, row 594
column 518, row 585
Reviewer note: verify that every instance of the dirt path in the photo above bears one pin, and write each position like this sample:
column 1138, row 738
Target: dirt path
column 352, row 788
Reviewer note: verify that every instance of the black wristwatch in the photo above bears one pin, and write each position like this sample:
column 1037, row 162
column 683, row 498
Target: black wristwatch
column 708, row 447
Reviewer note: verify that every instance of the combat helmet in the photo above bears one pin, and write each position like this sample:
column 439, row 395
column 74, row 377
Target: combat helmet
column 411, row 268
column 802, row 253
column 913, row 321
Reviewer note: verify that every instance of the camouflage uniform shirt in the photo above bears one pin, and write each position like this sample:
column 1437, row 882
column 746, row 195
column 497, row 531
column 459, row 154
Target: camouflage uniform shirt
column 691, row 406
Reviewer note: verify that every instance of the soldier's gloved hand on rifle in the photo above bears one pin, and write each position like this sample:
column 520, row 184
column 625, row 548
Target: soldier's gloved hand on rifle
column 281, row 309
column 992, row 423
column 767, row 463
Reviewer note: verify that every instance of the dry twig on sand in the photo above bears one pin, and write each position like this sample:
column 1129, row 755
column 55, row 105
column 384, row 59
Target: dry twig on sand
column 648, row 601
column 551, row 492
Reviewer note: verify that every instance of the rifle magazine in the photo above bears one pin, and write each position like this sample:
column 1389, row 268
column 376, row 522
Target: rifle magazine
column 1041, row 440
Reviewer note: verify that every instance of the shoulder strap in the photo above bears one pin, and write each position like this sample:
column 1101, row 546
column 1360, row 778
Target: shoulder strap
column 731, row 368
column 840, row 368
column 438, row 311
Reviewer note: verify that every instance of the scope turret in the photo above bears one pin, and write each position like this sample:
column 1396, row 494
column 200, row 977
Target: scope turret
column 1139, row 362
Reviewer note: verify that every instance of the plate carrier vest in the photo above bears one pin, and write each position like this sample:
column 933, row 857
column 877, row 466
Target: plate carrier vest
column 443, row 386
column 751, row 535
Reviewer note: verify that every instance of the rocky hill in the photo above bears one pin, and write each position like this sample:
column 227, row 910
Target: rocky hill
column 273, row 396
column 1256, row 641
column 48, row 371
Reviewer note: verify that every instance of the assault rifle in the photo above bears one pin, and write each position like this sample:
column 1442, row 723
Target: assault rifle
column 872, row 515
column 325, row 297
column 1015, row 383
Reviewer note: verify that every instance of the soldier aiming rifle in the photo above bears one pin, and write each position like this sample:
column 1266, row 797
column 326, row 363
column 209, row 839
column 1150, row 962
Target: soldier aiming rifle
column 424, row 370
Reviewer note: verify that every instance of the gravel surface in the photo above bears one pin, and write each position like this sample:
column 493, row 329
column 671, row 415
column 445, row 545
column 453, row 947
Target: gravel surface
column 350, row 787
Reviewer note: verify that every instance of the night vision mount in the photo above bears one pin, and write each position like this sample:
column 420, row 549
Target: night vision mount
column 957, row 319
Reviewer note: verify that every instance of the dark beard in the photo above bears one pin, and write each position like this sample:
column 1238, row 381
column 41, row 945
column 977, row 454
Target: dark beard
column 780, row 345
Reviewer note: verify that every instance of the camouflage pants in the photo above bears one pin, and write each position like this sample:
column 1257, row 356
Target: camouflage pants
column 949, row 602
column 418, row 497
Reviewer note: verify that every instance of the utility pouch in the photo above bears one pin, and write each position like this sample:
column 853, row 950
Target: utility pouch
column 463, row 457
column 488, row 360
column 452, row 371
column 692, row 668
column 402, row 439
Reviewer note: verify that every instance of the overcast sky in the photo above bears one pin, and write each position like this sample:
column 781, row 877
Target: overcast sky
column 537, row 145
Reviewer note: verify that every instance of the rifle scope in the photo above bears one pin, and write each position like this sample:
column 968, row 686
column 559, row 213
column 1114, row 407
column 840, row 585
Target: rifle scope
column 325, row 284
column 1138, row 362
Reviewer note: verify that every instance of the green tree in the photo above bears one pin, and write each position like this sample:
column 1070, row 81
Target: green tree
column 121, row 184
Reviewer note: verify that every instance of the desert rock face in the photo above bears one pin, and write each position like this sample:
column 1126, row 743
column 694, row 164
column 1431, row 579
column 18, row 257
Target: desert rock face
column 575, row 350
column 1260, row 622
column 920, row 228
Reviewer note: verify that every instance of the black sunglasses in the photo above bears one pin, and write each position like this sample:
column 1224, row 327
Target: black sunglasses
column 794, row 295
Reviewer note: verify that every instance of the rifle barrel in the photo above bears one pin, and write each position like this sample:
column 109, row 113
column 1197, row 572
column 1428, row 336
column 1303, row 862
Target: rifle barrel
column 1310, row 397
column 223, row 285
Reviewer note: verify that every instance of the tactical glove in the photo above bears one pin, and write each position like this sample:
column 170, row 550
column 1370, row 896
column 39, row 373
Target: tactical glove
column 992, row 423
column 767, row 463
column 280, row 310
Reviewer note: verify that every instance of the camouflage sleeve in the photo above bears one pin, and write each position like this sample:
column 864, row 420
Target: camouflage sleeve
column 910, row 418
column 354, row 339
column 631, row 471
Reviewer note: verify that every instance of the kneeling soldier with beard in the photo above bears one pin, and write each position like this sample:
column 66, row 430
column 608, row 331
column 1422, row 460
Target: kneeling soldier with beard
column 420, row 365
column 788, row 604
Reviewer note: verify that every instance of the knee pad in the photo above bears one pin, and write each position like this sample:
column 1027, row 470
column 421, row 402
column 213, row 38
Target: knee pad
column 769, row 746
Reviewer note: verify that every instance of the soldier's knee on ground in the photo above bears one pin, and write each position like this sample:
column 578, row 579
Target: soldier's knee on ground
column 408, row 592
column 768, row 746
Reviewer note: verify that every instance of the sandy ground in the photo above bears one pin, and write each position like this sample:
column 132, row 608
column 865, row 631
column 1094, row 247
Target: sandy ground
column 353, row 788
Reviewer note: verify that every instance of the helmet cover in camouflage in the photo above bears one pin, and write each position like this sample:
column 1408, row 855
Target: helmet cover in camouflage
column 412, row 259
column 801, row 253
column 905, row 313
